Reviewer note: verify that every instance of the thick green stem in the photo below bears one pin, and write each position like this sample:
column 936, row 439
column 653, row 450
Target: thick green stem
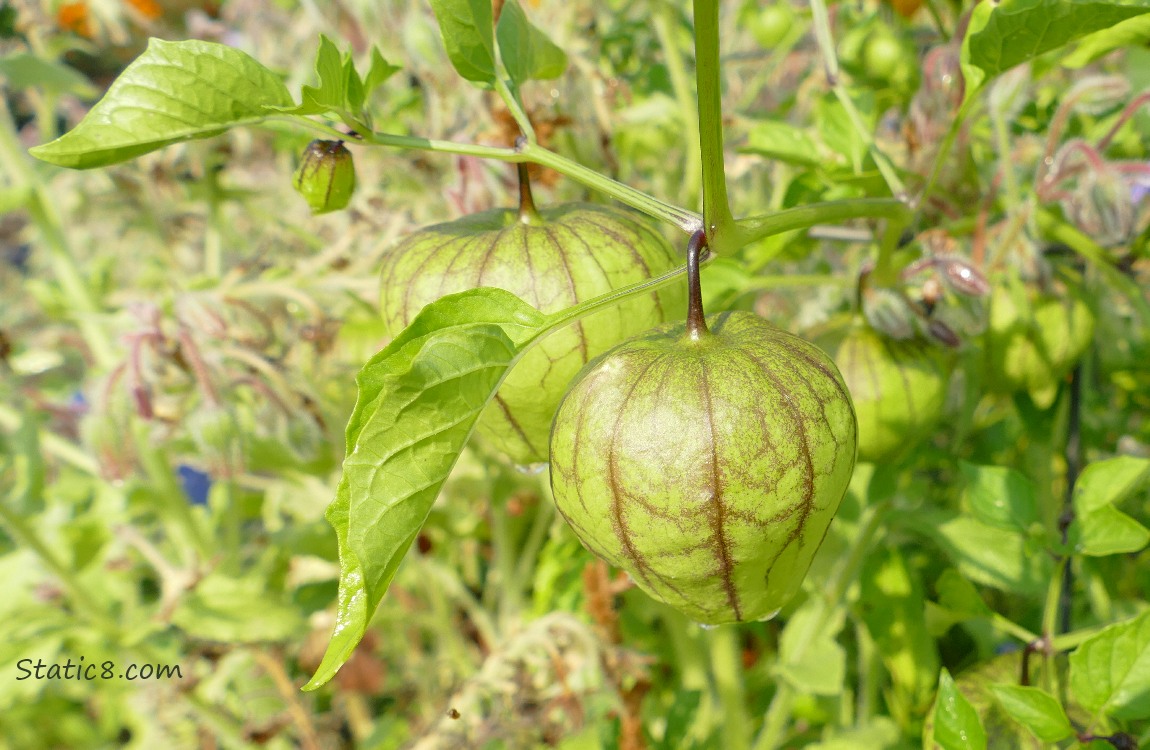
column 757, row 227
column 708, row 82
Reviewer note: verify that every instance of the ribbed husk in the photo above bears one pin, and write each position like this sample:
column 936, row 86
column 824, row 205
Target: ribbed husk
column 708, row 469
column 898, row 387
column 572, row 253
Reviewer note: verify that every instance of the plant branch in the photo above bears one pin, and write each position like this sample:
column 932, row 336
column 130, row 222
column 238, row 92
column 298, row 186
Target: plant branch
column 515, row 107
column 757, row 227
column 688, row 221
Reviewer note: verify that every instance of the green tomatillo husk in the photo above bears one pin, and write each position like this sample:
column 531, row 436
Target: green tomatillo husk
column 552, row 258
column 898, row 388
column 707, row 460
column 326, row 176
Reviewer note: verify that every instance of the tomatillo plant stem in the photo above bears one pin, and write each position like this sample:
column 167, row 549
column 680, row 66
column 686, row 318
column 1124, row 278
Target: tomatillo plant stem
column 688, row 221
column 511, row 99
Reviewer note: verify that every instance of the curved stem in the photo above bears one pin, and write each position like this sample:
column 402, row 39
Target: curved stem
column 688, row 221
column 696, row 318
column 527, row 212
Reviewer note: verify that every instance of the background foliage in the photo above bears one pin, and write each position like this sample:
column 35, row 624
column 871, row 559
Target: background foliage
column 179, row 341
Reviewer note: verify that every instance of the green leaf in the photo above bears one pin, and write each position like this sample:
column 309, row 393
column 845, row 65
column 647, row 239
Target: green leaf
column 780, row 140
column 1099, row 528
column 23, row 70
column 379, row 71
column 986, row 554
column 959, row 595
column 174, row 91
column 893, row 606
column 1110, row 482
column 1011, row 32
column 419, row 399
column 1108, row 531
column 1036, row 710
column 332, row 92
column 526, row 51
column 353, row 85
column 1130, row 33
column 812, row 662
column 467, row 27
column 956, row 723
column 236, row 610
column 1110, row 673
column 999, row 496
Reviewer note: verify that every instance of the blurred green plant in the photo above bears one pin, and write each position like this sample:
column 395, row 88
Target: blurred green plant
column 177, row 343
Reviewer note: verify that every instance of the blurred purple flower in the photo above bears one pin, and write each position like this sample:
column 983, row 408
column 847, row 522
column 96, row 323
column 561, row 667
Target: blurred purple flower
column 1139, row 189
column 195, row 484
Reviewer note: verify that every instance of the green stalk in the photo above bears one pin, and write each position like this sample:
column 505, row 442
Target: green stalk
column 213, row 241
column 727, row 667
column 1002, row 143
column 688, row 221
column 172, row 507
column 826, row 44
column 84, row 306
column 536, row 537
column 510, row 601
column 757, row 227
column 1050, row 623
column 943, row 154
column 50, row 442
column 708, row 82
column 776, row 719
column 511, row 100
column 681, row 85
